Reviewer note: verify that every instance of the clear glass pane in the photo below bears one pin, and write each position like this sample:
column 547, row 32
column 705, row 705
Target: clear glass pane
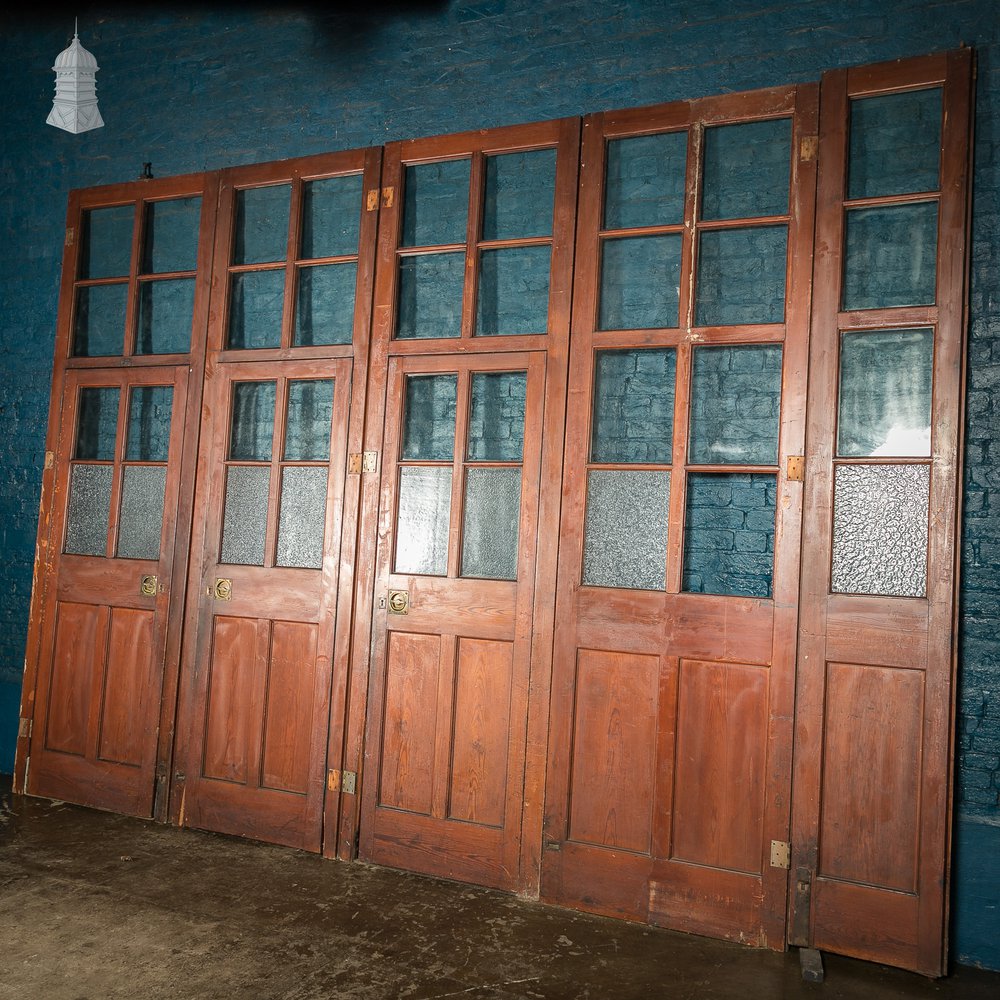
column 735, row 405
column 496, row 417
column 747, row 170
column 331, row 216
column 429, row 418
column 140, row 522
column 260, row 233
column 880, row 515
column 171, row 237
column 148, row 436
column 324, row 307
column 310, row 415
column 89, row 510
column 634, row 406
column 256, row 301
column 423, row 519
column 513, row 291
column 890, row 257
column 885, row 393
column 244, row 521
column 302, row 518
column 99, row 323
column 644, row 181
column 252, row 429
column 106, row 242
column 436, row 203
column 97, row 424
column 640, row 283
column 729, row 534
column 166, row 311
column 625, row 533
column 430, row 296
column 519, row 193
column 490, row 524
column 741, row 276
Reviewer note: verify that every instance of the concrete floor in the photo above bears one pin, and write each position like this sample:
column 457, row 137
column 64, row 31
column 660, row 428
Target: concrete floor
column 95, row 906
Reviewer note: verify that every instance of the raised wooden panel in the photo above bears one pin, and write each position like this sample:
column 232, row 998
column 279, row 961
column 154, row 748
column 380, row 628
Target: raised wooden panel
column 78, row 656
column 128, row 693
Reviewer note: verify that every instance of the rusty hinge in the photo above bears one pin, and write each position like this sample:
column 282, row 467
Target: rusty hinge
column 24, row 729
column 362, row 461
column 553, row 845
column 342, row 781
column 781, row 854
column 70, row 236
column 371, row 200
column 50, row 460
column 796, row 469
column 388, row 196
column 809, row 147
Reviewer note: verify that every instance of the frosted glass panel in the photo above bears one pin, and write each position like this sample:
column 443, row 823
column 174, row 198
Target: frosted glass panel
column 518, row 194
column 436, row 203
column 303, row 517
column 492, row 514
column 252, row 421
column 429, row 418
column 310, row 415
column 261, row 226
column 97, row 424
column 496, row 417
column 255, row 306
column 324, row 306
column 331, row 216
column 430, row 296
column 106, row 242
column 89, row 509
column 244, row 524
column 166, row 311
column 741, row 276
column 640, row 283
column 171, row 238
column 148, row 435
column 99, row 322
column 423, row 520
column 747, row 169
column 140, row 521
column 513, row 292
column 644, row 181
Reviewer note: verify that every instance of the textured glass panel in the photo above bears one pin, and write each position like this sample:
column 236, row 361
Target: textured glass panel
column 885, row 393
column 644, row 181
column 302, row 518
column 513, row 291
column 735, row 405
column 429, row 418
column 890, row 258
column 331, row 216
column 423, row 519
column 741, row 276
column 436, row 203
column 324, row 307
column 98, row 421
column 106, row 242
column 171, row 238
column 99, row 324
column 89, row 509
column 140, row 521
column 430, row 296
column 496, row 417
column 625, row 534
column 310, row 414
column 261, row 227
column 253, row 421
column 492, row 513
column 895, row 144
column 519, row 192
column 880, row 515
column 148, row 435
column 244, row 522
column 640, row 283
column 747, row 169
column 166, row 311
column 729, row 534
column 256, row 301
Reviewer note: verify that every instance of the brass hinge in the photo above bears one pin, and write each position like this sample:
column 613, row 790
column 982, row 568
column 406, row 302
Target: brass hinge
column 362, row 461
column 781, row 854
column 808, row 147
column 796, row 469
column 70, row 236
column 388, row 196
column 24, row 729
column 371, row 201
column 342, row 781
column 50, row 460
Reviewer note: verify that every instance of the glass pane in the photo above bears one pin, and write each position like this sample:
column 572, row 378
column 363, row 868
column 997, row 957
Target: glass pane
column 747, row 170
column 513, row 291
column 496, row 417
column 148, row 436
column 244, row 523
column 140, row 522
column 98, row 421
column 644, row 181
column 171, row 237
column 625, row 534
column 436, row 203
column 429, row 418
column 423, row 519
column 310, row 414
column 729, row 534
column 302, row 518
column 252, row 422
column 106, row 242
column 324, row 307
column 895, row 144
column 430, row 296
column 519, row 193
column 640, row 283
column 741, row 276
column 99, row 324
column 890, row 257
column 490, row 528
column 260, row 232
column 880, row 515
column 331, row 216
column 166, row 311
column 885, row 393
column 89, row 509
column 634, row 406
column 735, row 405
column 255, row 309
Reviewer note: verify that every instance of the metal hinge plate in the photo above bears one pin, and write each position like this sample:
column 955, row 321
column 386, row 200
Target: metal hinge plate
column 808, row 147
column 388, row 196
column 781, row 854
column 24, row 729
column 362, row 461
column 371, row 201
column 796, row 468
column 342, row 781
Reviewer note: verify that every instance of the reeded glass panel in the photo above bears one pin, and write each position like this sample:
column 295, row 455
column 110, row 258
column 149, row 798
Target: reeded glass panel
column 97, row 423
column 890, row 256
column 513, row 291
column 644, row 181
column 429, row 418
column 256, row 301
column 885, row 393
column 166, row 311
column 430, row 296
column 880, row 515
column 324, row 308
column 741, row 276
column 729, row 534
column 252, row 427
column 895, row 144
column 436, row 203
column 423, row 519
column 260, row 233
column 106, row 242
column 310, row 414
column 148, row 435
column 625, row 532
column 331, row 216
column 99, row 323
column 140, row 521
column 747, row 170
column 518, row 194
column 89, row 510
column 244, row 522
column 492, row 514
column 640, row 283
column 496, row 417
column 171, row 239
column 302, row 518
column 735, row 405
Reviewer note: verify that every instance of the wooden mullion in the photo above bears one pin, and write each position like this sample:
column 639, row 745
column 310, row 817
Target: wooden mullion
column 124, row 402
column 474, row 228
column 132, row 299
column 291, row 260
column 464, row 401
column 277, row 469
